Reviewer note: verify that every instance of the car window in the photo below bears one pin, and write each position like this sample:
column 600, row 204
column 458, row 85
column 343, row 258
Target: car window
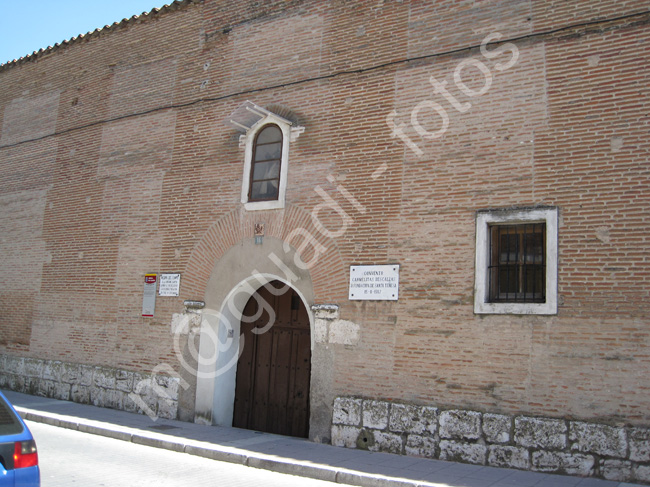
column 9, row 423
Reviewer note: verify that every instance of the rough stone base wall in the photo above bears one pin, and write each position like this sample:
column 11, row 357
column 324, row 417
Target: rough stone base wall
column 151, row 394
column 528, row 443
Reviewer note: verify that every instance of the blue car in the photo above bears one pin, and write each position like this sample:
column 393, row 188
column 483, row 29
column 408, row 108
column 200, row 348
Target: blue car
column 18, row 457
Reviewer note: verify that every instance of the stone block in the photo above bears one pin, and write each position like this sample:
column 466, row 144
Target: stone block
column 145, row 387
column 413, row 419
column 421, row 446
column 375, row 414
column 124, row 381
column 151, row 400
column 86, row 375
column 167, row 408
column 114, row 399
column 52, row 370
column 70, row 373
column 387, row 442
column 642, row 473
column 497, row 428
column 167, row 387
column 16, row 383
column 540, row 433
column 129, row 403
column 598, row 438
column 508, row 457
column 97, row 396
column 430, row 417
column 142, row 383
column 104, row 377
column 321, row 334
column 145, row 404
column 453, row 451
column 326, row 311
column 33, row 367
column 460, row 425
column 184, row 323
column 344, row 332
column 32, row 385
column 347, row 410
column 563, row 463
column 15, row 365
column 45, row 388
column 639, row 439
column 345, row 436
column 619, row 470
column 61, row 391
column 80, row 394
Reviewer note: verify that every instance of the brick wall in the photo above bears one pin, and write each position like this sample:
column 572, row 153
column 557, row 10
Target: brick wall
column 115, row 161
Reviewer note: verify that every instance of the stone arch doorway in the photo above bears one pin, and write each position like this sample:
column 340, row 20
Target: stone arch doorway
column 235, row 278
column 274, row 365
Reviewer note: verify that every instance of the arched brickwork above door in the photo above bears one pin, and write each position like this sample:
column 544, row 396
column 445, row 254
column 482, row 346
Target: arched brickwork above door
column 293, row 226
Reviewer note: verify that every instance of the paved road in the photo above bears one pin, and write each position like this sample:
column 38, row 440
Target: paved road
column 70, row 458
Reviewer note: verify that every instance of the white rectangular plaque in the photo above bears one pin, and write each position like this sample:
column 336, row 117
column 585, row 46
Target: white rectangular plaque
column 374, row 282
column 170, row 285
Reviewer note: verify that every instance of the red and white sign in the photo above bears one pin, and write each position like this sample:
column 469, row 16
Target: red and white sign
column 149, row 295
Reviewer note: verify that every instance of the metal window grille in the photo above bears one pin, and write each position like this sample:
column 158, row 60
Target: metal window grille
column 517, row 270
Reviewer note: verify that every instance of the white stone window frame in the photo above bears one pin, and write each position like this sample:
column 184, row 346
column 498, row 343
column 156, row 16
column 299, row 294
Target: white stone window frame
column 251, row 119
column 485, row 218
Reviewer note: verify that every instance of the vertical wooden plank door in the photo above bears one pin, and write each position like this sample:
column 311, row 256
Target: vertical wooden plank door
column 274, row 368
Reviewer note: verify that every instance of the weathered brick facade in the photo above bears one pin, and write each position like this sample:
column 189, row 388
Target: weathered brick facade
column 116, row 160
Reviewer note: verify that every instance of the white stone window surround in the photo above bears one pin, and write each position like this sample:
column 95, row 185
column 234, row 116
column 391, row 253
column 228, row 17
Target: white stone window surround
column 485, row 218
column 249, row 139
column 251, row 119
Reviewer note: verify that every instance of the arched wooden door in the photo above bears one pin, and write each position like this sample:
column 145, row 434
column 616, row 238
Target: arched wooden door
column 273, row 371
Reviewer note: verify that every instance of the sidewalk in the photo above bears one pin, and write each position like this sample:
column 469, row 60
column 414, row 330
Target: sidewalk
column 284, row 454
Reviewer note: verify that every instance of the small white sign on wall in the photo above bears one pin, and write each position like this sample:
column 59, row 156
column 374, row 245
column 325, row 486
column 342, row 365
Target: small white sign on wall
column 170, row 285
column 374, row 282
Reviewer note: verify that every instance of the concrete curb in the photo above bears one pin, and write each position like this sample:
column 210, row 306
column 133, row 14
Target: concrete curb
column 222, row 454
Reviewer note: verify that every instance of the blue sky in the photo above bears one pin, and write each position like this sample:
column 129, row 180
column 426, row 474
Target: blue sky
column 29, row 25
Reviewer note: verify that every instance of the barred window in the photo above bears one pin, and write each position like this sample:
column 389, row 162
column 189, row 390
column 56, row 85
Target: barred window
column 516, row 261
column 517, row 270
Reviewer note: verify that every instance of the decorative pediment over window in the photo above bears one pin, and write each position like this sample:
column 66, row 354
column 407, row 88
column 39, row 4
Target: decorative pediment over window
column 249, row 116
column 266, row 137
